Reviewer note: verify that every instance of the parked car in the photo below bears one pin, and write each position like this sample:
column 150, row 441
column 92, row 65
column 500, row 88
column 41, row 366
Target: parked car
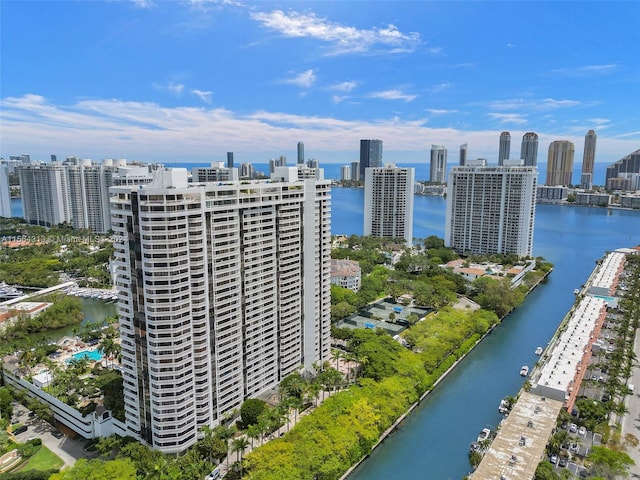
column 20, row 429
column 582, row 431
column 57, row 434
column 573, row 428
column 553, row 459
column 562, row 462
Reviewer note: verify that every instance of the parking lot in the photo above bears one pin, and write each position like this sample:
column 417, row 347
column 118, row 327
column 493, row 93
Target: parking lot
column 69, row 450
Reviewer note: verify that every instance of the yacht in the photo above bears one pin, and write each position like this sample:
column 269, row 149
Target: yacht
column 539, row 351
column 524, row 371
column 484, row 435
column 7, row 292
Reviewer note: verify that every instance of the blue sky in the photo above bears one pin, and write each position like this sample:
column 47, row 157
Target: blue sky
column 187, row 81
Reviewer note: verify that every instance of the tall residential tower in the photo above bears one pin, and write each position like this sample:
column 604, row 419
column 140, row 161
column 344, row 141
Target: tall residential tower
column 438, row 167
column 224, row 289
column 463, row 154
column 370, row 155
column 388, row 202
column 560, row 163
column 588, row 160
column 529, row 149
column 504, row 151
column 5, row 193
column 491, row 209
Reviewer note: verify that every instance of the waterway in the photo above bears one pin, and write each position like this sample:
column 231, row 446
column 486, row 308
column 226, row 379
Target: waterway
column 94, row 311
column 433, row 442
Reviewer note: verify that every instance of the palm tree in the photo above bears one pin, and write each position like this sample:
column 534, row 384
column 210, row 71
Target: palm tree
column 238, row 445
column 107, row 347
column 224, row 434
column 254, row 432
column 336, row 354
column 208, row 439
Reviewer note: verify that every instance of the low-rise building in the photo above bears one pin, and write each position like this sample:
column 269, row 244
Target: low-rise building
column 593, row 199
column 346, row 273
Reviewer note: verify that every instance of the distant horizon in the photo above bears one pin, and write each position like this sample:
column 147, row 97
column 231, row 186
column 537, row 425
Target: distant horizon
column 290, row 161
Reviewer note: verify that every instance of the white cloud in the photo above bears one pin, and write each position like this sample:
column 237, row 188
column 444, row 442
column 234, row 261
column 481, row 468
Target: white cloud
column 143, row 3
column 586, row 70
column 343, row 39
column 629, row 134
column 344, row 86
column 204, row 96
column 537, row 105
column 440, row 87
column 393, row 95
column 150, row 132
column 171, row 87
column 513, row 118
column 303, row 80
column 440, row 111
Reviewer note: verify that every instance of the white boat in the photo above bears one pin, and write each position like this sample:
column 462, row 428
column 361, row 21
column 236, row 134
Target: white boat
column 524, row 371
column 484, row 435
column 504, row 406
column 539, row 351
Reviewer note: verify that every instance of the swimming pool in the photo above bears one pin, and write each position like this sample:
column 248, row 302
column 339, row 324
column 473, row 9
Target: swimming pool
column 91, row 355
column 606, row 298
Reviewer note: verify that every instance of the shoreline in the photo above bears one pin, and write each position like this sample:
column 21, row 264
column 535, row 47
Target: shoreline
column 424, row 395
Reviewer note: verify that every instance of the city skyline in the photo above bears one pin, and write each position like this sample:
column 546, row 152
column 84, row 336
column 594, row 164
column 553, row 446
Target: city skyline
column 189, row 81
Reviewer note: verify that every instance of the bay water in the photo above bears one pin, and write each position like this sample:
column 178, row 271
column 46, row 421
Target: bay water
column 432, row 443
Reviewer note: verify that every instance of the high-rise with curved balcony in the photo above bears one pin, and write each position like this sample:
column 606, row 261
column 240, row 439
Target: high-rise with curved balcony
column 223, row 290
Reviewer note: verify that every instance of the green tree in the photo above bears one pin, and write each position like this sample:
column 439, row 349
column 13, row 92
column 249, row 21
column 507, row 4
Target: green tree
column 96, row 469
column 250, row 411
column 609, row 463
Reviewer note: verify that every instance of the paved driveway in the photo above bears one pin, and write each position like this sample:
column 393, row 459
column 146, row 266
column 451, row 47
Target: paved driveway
column 67, row 449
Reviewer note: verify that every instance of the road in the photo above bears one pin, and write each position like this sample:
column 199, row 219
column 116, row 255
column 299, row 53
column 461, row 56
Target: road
column 631, row 420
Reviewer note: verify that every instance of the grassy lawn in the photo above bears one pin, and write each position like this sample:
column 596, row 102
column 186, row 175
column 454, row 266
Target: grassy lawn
column 16, row 426
column 44, row 459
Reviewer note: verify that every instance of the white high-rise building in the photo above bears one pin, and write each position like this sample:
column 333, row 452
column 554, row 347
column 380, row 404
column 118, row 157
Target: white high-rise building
column 45, row 194
column 438, row 167
column 388, row 202
column 89, row 184
column 5, row 194
column 223, row 291
column 491, row 209
column 345, row 172
column 217, row 172
column 75, row 191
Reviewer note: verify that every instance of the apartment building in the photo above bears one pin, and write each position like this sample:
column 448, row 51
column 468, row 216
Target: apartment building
column 45, row 194
column 491, row 209
column 224, row 289
column 75, row 191
column 388, row 202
